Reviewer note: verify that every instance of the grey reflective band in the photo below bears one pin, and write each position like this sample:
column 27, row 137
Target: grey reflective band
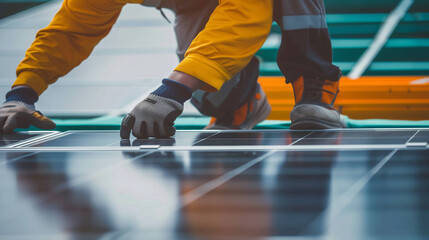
column 151, row 3
column 304, row 22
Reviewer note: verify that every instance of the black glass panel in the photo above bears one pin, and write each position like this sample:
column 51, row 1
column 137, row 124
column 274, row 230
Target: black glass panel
column 360, row 194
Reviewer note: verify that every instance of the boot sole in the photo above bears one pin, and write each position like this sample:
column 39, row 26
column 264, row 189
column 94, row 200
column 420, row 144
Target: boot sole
column 313, row 123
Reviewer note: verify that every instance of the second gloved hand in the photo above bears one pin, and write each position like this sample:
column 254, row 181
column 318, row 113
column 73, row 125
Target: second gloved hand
column 155, row 115
column 152, row 117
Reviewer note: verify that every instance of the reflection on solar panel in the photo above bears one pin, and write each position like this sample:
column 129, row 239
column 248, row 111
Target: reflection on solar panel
column 262, row 184
column 267, row 184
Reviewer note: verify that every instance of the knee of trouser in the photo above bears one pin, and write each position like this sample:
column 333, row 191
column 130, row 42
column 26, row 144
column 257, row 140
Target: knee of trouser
column 232, row 95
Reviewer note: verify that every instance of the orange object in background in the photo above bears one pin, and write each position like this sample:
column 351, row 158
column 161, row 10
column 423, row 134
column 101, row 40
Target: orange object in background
column 375, row 97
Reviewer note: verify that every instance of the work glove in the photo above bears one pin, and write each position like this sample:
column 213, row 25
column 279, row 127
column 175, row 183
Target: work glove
column 155, row 115
column 19, row 112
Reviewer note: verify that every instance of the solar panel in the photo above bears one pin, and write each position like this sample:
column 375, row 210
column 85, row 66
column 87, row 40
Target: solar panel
column 261, row 184
column 217, row 185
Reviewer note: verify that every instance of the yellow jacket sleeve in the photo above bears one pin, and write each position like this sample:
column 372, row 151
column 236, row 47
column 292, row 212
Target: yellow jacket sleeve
column 68, row 40
column 234, row 33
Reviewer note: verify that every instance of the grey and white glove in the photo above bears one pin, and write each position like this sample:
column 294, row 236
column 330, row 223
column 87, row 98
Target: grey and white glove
column 152, row 117
column 155, row 115
column 16, row 114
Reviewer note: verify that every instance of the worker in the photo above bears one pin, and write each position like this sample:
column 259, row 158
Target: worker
column 235, row 31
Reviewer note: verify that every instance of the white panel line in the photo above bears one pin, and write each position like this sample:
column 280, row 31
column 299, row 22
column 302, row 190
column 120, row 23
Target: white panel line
column 209, row 186
column 78, row 181
column 283, row 147
column 29, row 140
column 216, row 133
column 380, row 39
column 255, row 148
column 293, row 143
column 339, row 204
column 314, row 131
column 412, row 136
column 347, row 197
column 296, row 238
column 40, row 140
column 416, row 144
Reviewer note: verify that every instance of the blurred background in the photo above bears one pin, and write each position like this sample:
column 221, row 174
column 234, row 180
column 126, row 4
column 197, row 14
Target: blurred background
column 381, row 46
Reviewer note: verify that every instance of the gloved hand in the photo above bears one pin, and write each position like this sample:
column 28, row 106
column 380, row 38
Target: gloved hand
column 19, row 112
column 155, row 115
column 152, row 117
column 14, row 114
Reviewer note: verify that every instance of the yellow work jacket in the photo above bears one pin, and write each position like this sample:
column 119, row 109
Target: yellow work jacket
column 235, row 31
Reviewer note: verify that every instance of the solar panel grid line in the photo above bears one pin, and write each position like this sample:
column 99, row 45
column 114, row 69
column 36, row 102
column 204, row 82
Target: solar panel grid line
column 76, row 182
column 30, row 141
column 94, row 134
column 79, row 149
column 294, row 238
column 38, row 136
column 249, row 173
column 79, row 180
column 308, row 146
column 376, row 129
column 236, row 148
column 42, row 140
column 285, row 147
column 201, row 140
column 92, row 131
column 338, row 205
column 411, row 138
column 416, row 144
column 71, row 132
column 209, row 186
column 27, row 142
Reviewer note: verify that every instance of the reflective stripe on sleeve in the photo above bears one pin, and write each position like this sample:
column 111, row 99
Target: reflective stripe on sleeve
column 304, row 22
